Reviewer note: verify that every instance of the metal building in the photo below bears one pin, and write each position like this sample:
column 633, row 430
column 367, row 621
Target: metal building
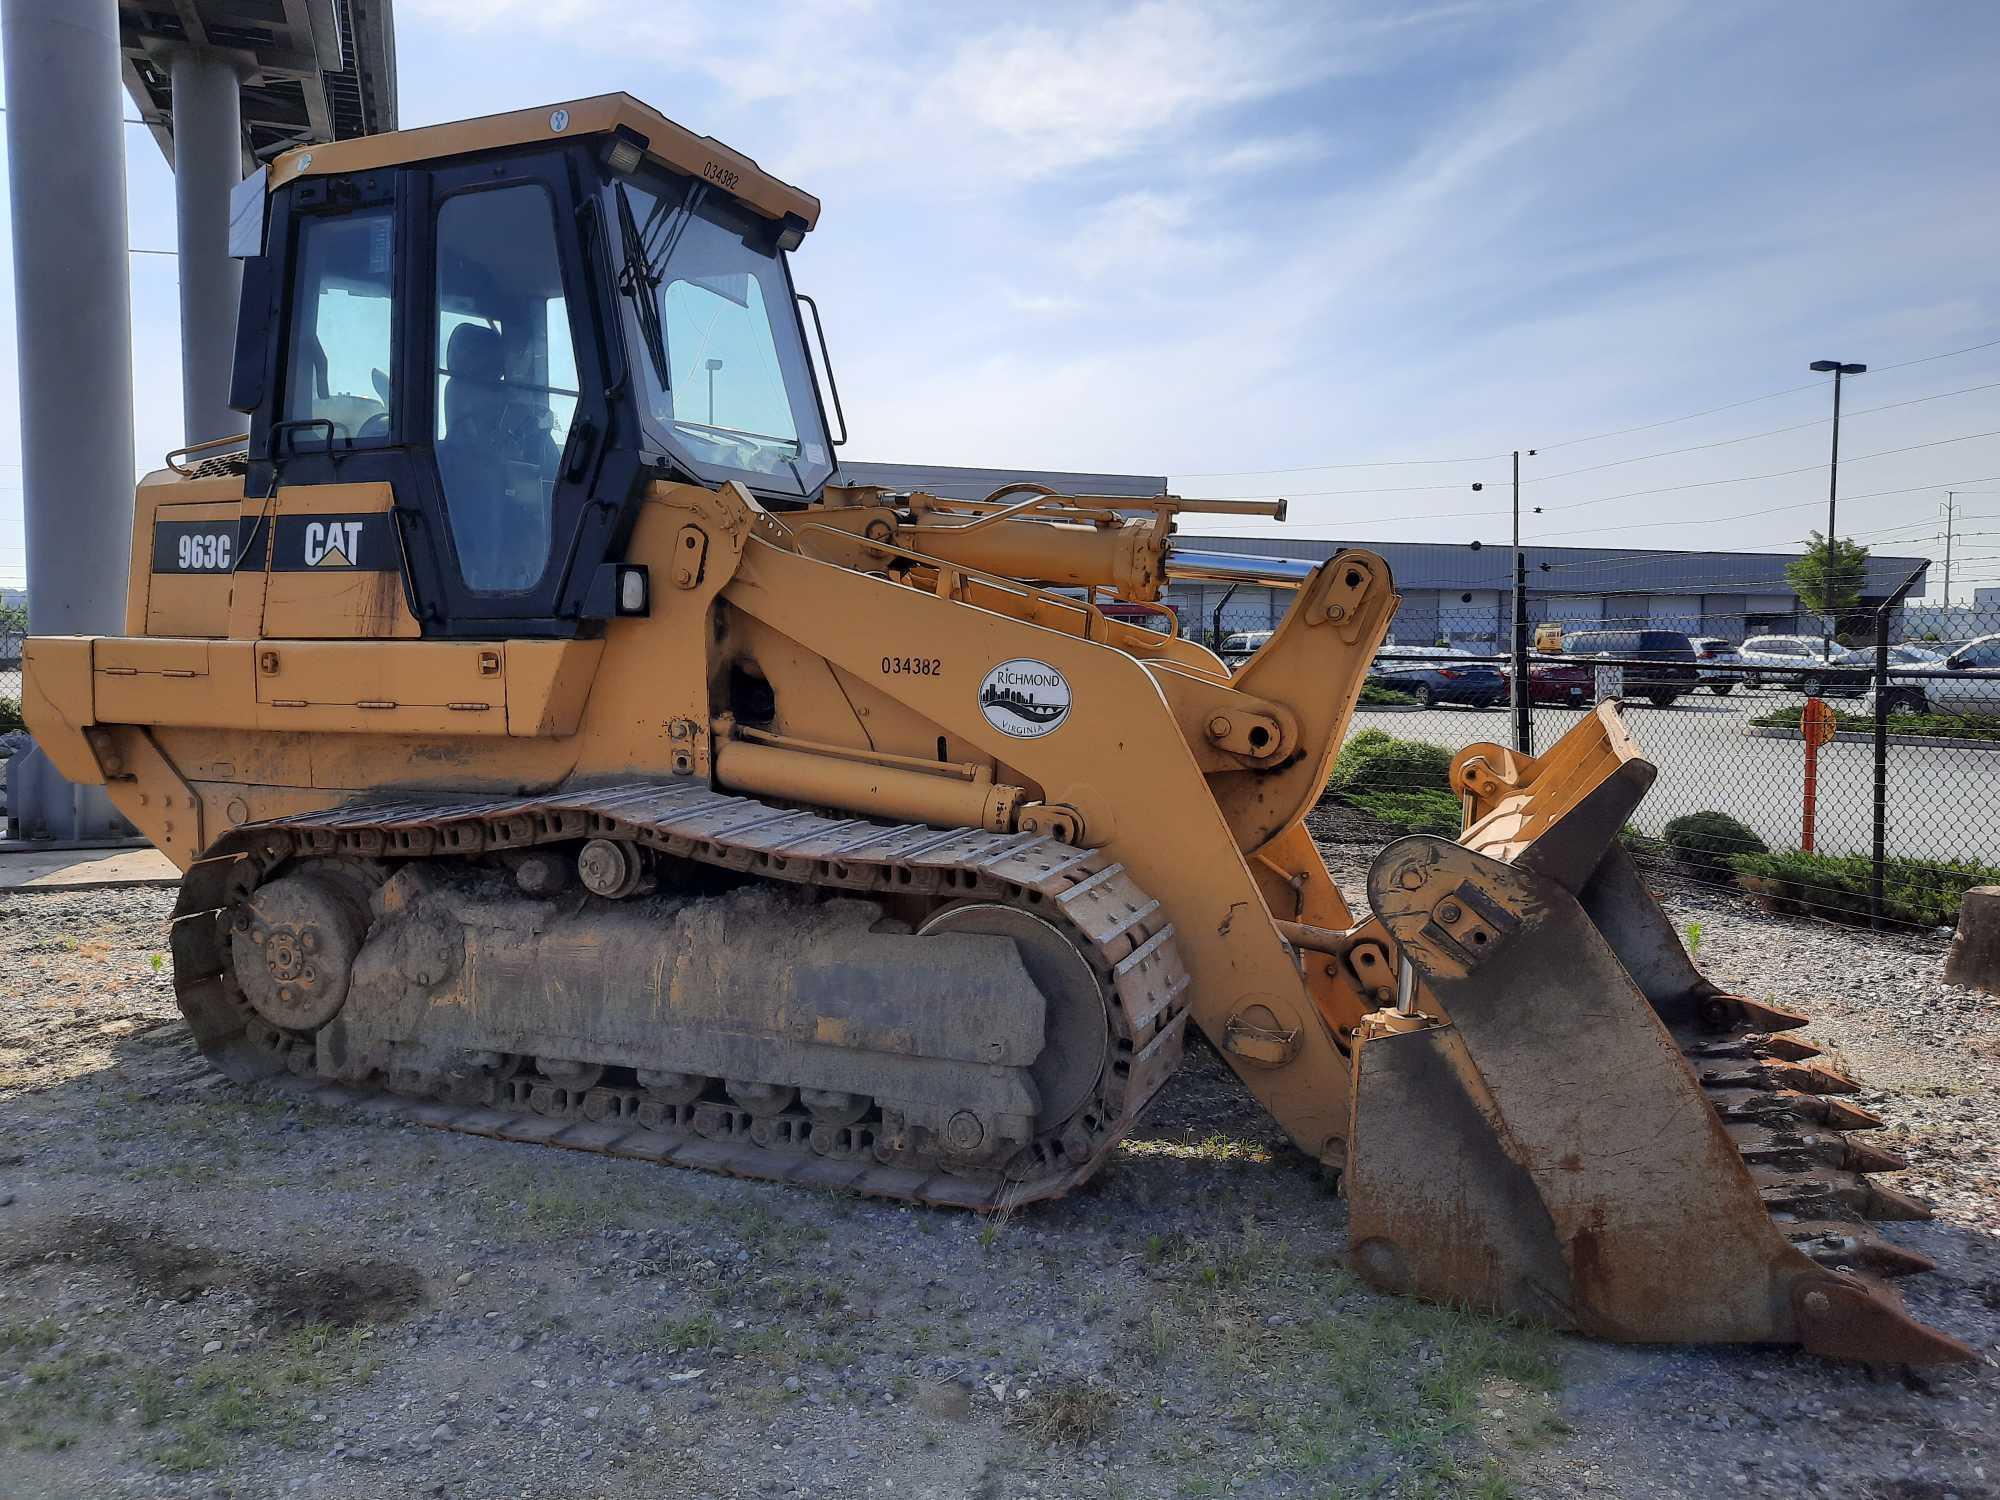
column 1460, row 595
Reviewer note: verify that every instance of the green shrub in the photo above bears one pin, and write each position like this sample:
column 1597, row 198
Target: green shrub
column 1915, row 892
column 1705, row 842
column 10, row 715
column 1419, row 811
column 1376, row 695
column 1943, row 726
column 1642, row 845
column 1372, row 761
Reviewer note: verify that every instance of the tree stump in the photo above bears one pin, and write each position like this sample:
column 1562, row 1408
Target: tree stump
column 1974, row 960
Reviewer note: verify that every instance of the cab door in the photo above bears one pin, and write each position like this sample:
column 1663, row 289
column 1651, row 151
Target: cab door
column 514, row 399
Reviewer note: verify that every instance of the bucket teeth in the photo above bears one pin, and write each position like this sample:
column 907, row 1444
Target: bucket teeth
column 1861, row 1157
column 1754, row 1045
column 1809, row 1077
column 1844, row 1316
column 1813, row 1077
column 1783, row 1144
column 1849, row 1246
column 1827, row 1190
column 1721, row 1012
column 1887, row 1203
column 1788, row 1048
column 1751, row 1102
column 1840, row 1115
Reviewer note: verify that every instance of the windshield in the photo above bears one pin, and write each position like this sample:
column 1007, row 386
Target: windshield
column 714, row 333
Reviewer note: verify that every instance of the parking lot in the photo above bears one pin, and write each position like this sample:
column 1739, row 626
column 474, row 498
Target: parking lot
column 1944, row 802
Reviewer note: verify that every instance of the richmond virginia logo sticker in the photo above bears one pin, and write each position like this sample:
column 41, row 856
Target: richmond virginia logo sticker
column 1024, row 698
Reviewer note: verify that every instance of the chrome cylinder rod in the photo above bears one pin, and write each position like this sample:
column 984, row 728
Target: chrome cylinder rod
column 1190, row 565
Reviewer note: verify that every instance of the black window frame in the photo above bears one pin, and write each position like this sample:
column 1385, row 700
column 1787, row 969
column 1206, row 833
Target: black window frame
column 601, row 472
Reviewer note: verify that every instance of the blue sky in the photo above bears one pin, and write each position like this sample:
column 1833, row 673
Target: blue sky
column 1186, row 238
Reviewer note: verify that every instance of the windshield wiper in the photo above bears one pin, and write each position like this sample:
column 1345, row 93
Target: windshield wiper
column 641, row 283
column 762, row 437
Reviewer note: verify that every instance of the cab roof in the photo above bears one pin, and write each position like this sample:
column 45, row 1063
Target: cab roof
column 676, row 146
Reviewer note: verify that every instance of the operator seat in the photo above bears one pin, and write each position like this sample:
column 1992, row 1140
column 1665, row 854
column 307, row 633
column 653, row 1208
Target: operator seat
column 469, row 455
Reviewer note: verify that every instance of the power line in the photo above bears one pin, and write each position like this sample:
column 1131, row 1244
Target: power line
column 1674, row 421
column 1772, row 396
column 1388, row 463
column 1752, row 437
column 1698, row 484
column 1384, row 463
column 1767, row 511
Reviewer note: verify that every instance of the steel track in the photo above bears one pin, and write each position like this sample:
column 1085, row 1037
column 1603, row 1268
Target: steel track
column 1124, row 935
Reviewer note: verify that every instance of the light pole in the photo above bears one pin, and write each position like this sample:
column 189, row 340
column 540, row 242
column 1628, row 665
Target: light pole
column 716, row 364
column 1837, row 370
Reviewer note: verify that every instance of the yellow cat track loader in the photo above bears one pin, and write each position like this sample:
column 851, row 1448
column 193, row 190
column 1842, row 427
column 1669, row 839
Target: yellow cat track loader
column 555, row 752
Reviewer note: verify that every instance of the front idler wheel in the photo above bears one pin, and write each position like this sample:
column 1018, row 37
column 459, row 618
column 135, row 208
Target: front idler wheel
column 292, row 946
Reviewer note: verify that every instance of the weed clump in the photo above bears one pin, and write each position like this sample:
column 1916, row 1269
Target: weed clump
column 1067, row 1411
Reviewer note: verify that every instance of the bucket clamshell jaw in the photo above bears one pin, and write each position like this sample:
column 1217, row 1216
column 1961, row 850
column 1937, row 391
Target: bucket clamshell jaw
column 1570, row 1125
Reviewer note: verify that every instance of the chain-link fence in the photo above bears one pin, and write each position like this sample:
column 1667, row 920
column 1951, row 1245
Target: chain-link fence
column 1887, row 816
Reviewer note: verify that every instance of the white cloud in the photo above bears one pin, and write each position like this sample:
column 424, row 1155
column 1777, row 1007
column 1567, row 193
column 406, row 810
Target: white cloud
column 1264, row 153
column 1042, row 304
column 1060, row 97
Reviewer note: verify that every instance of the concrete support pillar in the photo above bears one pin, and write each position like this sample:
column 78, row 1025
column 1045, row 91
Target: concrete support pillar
column 73, row 315
column 208, row 162
column 72, row 307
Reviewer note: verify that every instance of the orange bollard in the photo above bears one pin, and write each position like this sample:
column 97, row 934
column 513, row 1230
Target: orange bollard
column 1816, row 723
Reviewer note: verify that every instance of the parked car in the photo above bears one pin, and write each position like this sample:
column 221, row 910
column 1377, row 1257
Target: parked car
column 1240, row 645
column 1553, row 678
column 1965, row 682
column 1660, row 664
column 1806, row 654
column 1717, row 657
column 1855, row 670
column 1438, row 675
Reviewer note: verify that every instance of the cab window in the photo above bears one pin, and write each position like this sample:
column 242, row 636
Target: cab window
column 506, row 381
column 337, row 368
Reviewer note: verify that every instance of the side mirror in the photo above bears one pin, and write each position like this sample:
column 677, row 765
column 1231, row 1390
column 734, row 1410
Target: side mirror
column 253, row 325
column 1955, row 663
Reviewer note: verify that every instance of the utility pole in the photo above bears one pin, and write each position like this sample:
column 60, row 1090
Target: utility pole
column 1950, row 496
column 1524, row 727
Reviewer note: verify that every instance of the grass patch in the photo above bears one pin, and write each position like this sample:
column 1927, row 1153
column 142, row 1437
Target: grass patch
column 1066, row 1411
column 258, row 1393
column 1413, row 811
column 531, row 1206
column 1364, row 1395
column 696, row 1331
column 51, row 1401
column 39, row 1334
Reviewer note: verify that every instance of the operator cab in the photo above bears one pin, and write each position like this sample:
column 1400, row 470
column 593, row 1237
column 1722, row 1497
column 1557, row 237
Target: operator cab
column 491, row 335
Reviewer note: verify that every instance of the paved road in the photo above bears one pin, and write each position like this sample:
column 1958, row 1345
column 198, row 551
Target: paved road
column 1943, row 803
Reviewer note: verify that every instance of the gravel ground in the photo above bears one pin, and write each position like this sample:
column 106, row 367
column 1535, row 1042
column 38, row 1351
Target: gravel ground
column 212, row 1291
